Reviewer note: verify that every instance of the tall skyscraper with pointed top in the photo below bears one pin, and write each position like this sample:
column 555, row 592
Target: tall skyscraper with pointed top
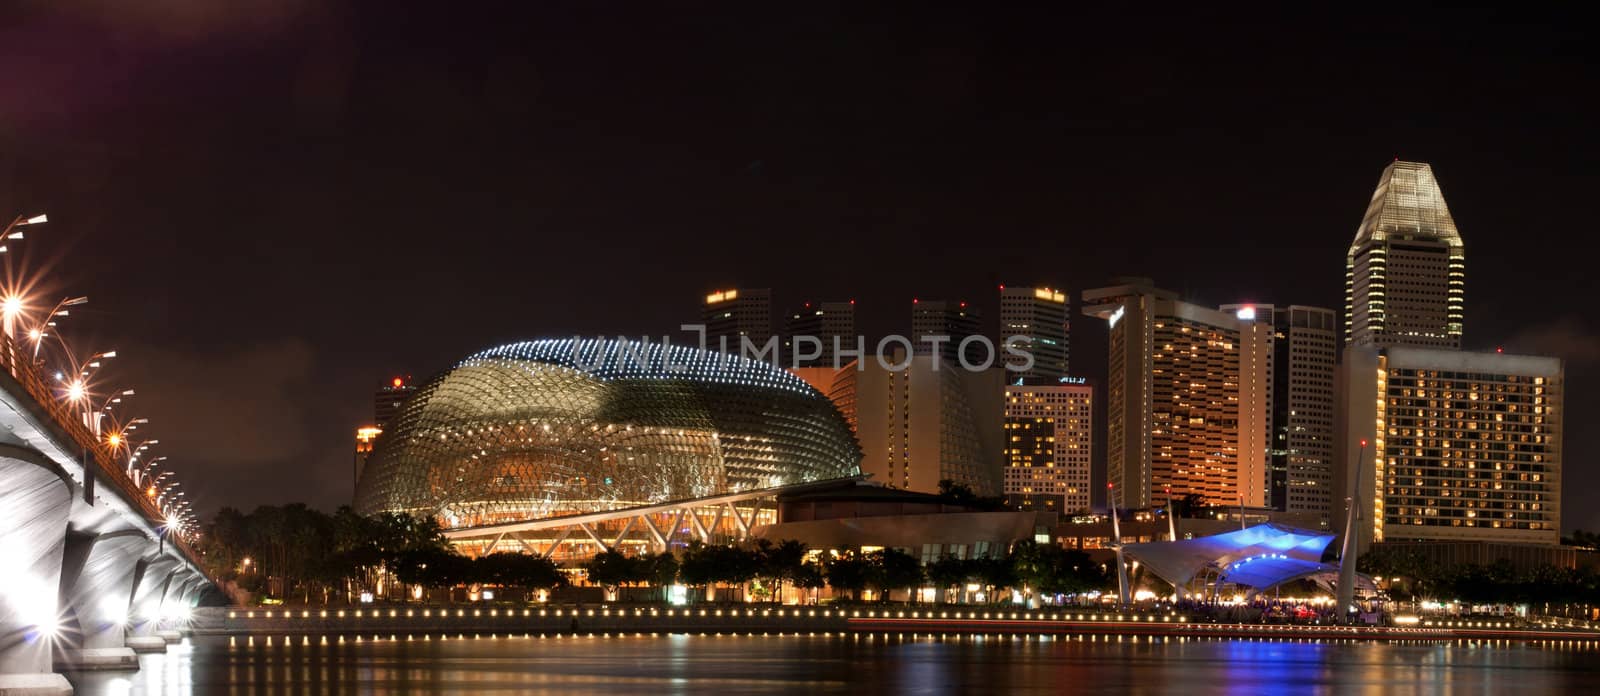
column 1405, row 274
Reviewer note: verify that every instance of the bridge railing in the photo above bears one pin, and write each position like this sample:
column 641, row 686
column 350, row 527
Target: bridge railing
column 72, row 420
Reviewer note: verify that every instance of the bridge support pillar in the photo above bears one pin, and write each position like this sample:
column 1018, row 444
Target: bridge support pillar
column 175, row 606
column 34, row 505
column 97, row 585
column 154, row 575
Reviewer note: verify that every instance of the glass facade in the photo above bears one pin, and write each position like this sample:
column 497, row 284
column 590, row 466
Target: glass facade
column 555, row 427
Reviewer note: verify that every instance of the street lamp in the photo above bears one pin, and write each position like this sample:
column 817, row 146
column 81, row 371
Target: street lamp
column 22, row 221
column 144, row 472
column 41, row 331
column 105, row 408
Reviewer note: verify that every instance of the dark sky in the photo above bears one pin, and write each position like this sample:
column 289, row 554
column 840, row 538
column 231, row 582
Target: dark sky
column 275, row 206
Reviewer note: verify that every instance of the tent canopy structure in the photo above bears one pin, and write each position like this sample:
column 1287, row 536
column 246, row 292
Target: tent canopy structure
column 1260, row 557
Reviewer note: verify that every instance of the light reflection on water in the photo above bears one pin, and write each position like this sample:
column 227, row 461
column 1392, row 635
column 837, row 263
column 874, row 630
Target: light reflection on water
column 729, row 664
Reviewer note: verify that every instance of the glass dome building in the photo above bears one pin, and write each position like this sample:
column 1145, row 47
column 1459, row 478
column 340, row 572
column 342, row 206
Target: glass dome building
column 547, row 428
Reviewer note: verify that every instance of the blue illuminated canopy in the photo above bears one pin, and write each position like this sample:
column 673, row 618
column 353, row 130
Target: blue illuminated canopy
column 1261, row 557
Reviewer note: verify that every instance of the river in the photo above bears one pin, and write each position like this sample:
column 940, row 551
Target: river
column 723, row 665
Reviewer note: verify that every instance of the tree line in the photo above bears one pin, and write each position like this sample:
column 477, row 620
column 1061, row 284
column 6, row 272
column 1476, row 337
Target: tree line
column 1414, row 577
column 293, row 552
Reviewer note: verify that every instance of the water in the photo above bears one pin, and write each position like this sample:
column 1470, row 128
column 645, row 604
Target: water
column 872, row 665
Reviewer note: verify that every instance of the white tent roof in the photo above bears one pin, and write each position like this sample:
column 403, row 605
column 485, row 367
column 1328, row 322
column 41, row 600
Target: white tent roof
column 1261, row 556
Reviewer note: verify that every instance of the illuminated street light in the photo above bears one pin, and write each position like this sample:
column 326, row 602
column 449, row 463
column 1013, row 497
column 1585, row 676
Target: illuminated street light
column 41, row 331
column 105, row 409
column 21, row 221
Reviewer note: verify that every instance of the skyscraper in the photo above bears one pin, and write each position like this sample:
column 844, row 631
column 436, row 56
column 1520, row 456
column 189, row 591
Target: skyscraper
column 950, row 323
column 1041, row 315
column 386, row 402
column 1304, row 347
column 923, row 424
column 824, row 321
column 1186, row 399
column 1460, row 446
column 730, row 315
column 1048, row 446
column 1405, row 274
column 365, row 435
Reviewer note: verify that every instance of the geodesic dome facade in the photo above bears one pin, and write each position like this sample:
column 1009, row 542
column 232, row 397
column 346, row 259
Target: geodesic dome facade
column 556, row 427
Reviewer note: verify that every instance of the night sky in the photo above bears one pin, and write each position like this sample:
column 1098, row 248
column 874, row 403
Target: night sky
column 274, row 210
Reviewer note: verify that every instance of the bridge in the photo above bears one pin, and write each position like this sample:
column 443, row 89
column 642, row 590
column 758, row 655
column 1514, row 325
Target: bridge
column 90, row 569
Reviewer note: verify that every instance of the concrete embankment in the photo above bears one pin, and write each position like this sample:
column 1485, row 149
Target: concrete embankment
column 479, row 620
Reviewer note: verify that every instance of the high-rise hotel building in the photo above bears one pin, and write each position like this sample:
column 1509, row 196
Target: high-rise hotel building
column 1040, row 314
column 1437, row 444
column 1302, row 367
column 1048, row 446
column 1187, row 399
column 1460, row 446
column 1405, row 273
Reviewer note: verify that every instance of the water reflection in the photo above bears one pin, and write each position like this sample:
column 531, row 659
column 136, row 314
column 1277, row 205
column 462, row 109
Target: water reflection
column 870, row 664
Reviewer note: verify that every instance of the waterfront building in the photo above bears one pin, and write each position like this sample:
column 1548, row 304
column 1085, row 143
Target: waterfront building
column 541, row 429
column 1187, row 399
column 1048, row 446
column 1405, row 273
column 1301, row 367
column 919, row 422
column 1461, row 446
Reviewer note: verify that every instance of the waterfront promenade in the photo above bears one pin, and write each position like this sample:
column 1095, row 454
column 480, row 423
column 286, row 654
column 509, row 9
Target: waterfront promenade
column 448, row 620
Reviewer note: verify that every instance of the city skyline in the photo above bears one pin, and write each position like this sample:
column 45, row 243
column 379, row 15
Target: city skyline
column 306, row 274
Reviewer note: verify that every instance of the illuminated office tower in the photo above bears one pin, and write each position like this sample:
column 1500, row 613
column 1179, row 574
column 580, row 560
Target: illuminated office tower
column 386, row 402
column 1302, row 366
column 365, row 435
column 1041, row 315
column 923, row 424
column 1461, row 446
column 1405, row 274
column 731, row 315
column 1187, row 399
column 1048, row 446
column 824, row 321
column 950, row 323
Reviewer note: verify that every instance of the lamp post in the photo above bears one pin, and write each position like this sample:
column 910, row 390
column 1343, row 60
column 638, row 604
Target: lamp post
column 133, row 454
column 41, row 331
column 11, row 306
column 78, row 386
column 12, row 231
column 144, row 472
column 104, row 412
